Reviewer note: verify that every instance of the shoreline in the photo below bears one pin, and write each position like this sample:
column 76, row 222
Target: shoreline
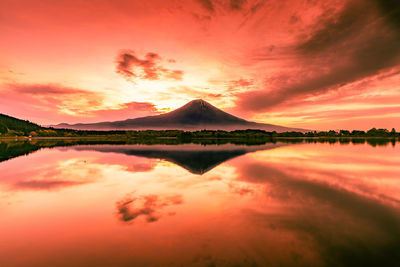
column 123, row 137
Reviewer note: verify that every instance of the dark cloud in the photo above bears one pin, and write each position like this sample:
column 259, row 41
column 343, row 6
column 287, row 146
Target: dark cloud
column 230, row 5
column 256, row 7
column 356, row 43
column 207, row 4
column 391, row 9
column 294, row 19
column 147, row 206
column 149, row 68
column 333, row 29
column 237, row 4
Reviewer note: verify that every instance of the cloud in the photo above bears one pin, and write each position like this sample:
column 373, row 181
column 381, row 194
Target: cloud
column 207, row 4
column 343, row 47
column 392, row 11
column 237, row 4
column 53, row 98
column 174, row 74
column 293, row 50
column 149, row 68
column 125, row 111
column 45, row 184
column 229, row 5
column 46, row 89
column 345, row 114
column 147, row 206
column 202, row 93
column 65, row 103
column 241, row 83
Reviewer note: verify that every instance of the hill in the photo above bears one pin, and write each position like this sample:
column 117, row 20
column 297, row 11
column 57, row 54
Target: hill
column 195, row 115
column 13, row 126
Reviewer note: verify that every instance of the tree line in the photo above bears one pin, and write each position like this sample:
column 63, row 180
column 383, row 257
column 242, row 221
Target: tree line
column 10, row 126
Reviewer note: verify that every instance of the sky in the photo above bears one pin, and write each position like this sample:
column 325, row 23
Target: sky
column 321, row 65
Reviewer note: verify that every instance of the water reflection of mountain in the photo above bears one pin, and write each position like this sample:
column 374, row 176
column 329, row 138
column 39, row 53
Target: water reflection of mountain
column 196, row 159
column 9, row 150
column 202, row 157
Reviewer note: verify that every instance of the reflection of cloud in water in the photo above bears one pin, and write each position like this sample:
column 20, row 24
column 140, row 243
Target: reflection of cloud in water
column 44, row 184
column 305, row 205
column 240, row 189
column 131, row 164
column 147, row 206
column 348, row 229
column 53, row 176
column 142, row 167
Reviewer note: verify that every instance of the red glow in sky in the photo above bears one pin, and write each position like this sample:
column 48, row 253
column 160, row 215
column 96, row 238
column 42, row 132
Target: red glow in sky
column 312, row 64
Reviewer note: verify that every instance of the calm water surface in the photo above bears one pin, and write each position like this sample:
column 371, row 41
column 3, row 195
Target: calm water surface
column 192, row 205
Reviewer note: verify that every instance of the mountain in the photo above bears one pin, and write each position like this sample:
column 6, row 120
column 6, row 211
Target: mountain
column 12, row 125
column 195, row 115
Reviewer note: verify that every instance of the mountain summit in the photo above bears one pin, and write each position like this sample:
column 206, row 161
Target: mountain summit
column 199, row 112
column 195, row 115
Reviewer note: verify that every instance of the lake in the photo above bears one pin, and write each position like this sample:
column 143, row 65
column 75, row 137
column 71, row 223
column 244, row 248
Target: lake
column 272, row 204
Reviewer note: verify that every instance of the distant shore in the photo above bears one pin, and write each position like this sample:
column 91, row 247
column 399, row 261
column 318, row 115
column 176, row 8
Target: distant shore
column 55, row 137
column 188, row 140
column 11, row 147
column 123, row 137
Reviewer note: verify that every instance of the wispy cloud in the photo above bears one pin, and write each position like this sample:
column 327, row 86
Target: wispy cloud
column 66, row 104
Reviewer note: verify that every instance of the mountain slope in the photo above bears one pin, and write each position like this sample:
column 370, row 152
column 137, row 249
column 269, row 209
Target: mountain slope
column 195, row 115
column 9, row 125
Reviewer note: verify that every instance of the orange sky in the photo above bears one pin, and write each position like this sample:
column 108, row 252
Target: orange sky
column 312, row 64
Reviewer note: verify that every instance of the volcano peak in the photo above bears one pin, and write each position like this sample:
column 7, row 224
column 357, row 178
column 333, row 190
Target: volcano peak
column 199, row 103
column 197, row 114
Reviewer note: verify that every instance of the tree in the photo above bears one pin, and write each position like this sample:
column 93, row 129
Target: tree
column 344, row 132
column 3, row 129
